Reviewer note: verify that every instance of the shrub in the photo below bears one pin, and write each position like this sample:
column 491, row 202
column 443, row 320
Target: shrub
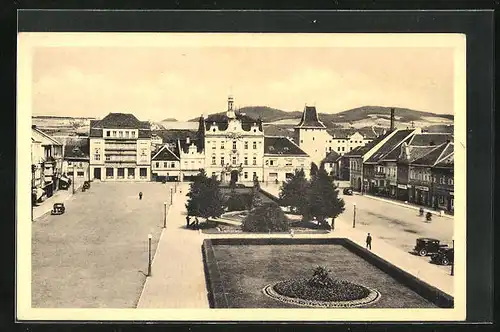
column 239, row 202
column 267, row 217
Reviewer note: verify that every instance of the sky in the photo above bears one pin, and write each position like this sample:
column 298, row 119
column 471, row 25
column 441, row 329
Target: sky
column 183, row 82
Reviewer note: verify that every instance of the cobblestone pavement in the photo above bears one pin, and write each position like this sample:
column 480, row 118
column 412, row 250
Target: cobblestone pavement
column 95, row 255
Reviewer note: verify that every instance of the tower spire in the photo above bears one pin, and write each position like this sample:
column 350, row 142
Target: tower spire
column 230, row 107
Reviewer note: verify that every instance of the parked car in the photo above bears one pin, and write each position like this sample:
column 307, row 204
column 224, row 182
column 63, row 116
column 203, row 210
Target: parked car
column 58, row 208
column 240, row 185
column 86, row 185
column 347, row 191
column 425, row 246
column 444, row 256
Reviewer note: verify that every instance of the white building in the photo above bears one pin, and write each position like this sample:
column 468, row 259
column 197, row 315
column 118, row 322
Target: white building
column 166, row 163
column 120, row 148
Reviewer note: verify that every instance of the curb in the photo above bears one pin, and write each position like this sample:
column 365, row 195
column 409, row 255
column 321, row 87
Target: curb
column 405, row 205
column 65, row 199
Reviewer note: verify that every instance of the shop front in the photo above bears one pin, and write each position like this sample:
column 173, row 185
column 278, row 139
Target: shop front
column 402, row 192
column 422, row 196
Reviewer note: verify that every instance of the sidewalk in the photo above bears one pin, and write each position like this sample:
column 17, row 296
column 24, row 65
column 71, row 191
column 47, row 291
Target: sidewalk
column 178, row 276
column 58, row 197
column 407, row 205
column 415, row 265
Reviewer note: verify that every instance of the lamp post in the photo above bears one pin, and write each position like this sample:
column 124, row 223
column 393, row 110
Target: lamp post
column 73, row 178
column 165, row 215
column 354, row 217
column 453, row 261
column 149, row 250
column 171, row 195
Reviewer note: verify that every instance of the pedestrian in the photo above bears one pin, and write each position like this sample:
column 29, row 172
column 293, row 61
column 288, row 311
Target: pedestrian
column 369, row 242
column 140, row 195
column 187, row 221
column 197, row 222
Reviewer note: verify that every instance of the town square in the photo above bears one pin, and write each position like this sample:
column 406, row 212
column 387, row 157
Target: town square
column 221, row 178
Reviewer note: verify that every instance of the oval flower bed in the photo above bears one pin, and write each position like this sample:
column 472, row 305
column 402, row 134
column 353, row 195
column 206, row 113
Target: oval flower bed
column 321, row 291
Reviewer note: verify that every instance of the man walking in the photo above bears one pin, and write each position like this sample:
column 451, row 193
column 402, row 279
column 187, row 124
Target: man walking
column 140, row 195
column 187, row 221
column 369, row 242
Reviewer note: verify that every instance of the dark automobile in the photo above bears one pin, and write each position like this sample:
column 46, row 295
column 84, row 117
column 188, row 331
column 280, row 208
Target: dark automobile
column 57, row 209
column 427, row 246
column 347, row 191
column 240, row 185
column 86, row 185
column 443, row 257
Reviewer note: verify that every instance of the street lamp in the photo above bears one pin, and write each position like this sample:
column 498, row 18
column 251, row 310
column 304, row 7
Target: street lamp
column 149, row 250
column 453, row 261
column 354, row 216
column 171, row 195
column 165, row 215
column 73, row 178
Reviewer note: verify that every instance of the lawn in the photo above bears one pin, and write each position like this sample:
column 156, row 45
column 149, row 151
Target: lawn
column 246, row 269
column 95, row 255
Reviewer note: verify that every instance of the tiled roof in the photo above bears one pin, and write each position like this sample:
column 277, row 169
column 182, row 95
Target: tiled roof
column 76, row 152
column 277, row 145
column 331, row 157
column 166, row 154
column 428, row 139
column 394, row 154
column 432, row 157
column 361, row 150
column 221, row 120
column 345, row 133
column 172, row 135
column 120, row 120
column 185, row 146
column 447, row 162
column 310, row 118
column 397, row 138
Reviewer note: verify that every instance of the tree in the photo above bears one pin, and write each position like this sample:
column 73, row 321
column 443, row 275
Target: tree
column 314, row 169
column 323, row 200
column 205, row 197
column 256, row 199
column 293, row 191
column 267, row 217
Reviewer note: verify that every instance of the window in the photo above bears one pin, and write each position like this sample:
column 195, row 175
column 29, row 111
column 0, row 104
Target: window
column 271, row 162
column 350, row 149
column 222, row 160
column 343, row 149
column 222, row 145
column 80, row 164
column 185, row 164
column 133, row 134
column 69, row 163
column 157, row 165
column 450, row 181
column 109, row 172
column 301, row 141
column 131, row 173
column 120, row 134
column 127, row 134
column 213, row 130
column 246, row 145
column 313, row 138
column 213, row 174
column 234, row 145
column 245, row 161
column 108, row 158
column 254, row 161
column 245, row 175
column 79, row 174
column 234, row 160
column 329, row 148
column 143, row 172
column 288, row 162
column 108, row 133
column 114, row 133
column 338, row 149
column 172, row 165
column 165, row 164
column 121, row 173
column 441, row 180
column 214, row 146
column 254, row 174
column 441, row 200
column 254, row 145
column 70, row 173
column 97, row 157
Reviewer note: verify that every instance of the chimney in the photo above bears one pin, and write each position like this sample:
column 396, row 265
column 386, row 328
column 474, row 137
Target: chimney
column 188, row 140
column 392, row 119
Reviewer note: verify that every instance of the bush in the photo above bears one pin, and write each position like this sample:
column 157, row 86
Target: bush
column 267, row 217
column 239, row 202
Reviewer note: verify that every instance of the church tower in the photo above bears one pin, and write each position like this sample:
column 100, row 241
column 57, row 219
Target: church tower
column 311, row 134
column 230, row 107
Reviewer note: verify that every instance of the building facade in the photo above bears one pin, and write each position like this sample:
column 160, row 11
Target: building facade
column 120, row 148
column 46, row 164
column 166, row 163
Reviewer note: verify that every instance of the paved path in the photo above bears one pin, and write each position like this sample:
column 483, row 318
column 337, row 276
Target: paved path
column 178, row 277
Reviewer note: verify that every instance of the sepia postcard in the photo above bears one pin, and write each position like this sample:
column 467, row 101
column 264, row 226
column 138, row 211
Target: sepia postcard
column 241, row 177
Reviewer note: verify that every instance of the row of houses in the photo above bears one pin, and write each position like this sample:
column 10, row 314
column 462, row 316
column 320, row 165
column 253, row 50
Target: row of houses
column 407, row 165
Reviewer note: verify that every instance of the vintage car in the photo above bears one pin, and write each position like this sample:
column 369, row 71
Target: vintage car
column 347, row 191
column 425, row 246
column 86, row 185
column 444, row 256
column 57, row 209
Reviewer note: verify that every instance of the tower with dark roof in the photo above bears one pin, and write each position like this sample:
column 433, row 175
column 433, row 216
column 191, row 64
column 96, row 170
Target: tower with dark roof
column 312, row 135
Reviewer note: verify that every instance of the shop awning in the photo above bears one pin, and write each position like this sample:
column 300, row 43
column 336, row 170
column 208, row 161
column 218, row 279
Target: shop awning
column 39, row 192
column 65, row 179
